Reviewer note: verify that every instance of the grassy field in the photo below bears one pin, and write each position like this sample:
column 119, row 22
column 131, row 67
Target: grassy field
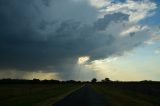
column 34, row 94
column 129, row 95
column 45, row 94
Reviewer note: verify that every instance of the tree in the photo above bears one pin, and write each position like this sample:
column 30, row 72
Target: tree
column 94, row 80
column 106, row 80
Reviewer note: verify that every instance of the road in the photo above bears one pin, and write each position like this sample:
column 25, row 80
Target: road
column 85, row 96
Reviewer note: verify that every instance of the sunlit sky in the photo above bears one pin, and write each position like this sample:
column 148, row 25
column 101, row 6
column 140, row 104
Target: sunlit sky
column 80, row 39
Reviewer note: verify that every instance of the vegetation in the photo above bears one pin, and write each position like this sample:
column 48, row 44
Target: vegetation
column 15, row 92
column 37, row 94
column 130, row 93
column 94, row 80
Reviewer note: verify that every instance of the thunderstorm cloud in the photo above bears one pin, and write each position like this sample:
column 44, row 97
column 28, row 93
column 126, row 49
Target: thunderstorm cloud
column 51, row 35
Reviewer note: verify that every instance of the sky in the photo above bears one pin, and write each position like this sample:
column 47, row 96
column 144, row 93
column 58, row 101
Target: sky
column 80, row 39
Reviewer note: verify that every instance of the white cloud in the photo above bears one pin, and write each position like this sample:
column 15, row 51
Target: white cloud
column 137, row 10
column 99, row 3
column 133, row 29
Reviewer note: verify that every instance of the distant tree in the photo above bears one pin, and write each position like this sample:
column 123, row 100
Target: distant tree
column 94, row 80
column 35, row 80
column 71, row 81
column 106, row 80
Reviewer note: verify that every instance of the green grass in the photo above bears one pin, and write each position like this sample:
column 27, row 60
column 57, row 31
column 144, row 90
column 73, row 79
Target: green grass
column 34, row 94
column 121, row 97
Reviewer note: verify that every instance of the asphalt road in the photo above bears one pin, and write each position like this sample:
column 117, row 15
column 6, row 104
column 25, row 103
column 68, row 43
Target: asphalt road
column 85, row 96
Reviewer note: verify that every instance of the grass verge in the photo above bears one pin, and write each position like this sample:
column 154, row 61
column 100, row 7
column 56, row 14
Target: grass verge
column 32, row 95
column 121, row 97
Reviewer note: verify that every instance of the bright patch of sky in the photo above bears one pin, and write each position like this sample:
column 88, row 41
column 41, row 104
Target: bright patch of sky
column 140, row 64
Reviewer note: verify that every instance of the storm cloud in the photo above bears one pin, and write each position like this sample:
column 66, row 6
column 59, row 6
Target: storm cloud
column 50, row 35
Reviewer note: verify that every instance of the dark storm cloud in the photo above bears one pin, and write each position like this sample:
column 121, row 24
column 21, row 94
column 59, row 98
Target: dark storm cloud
column 101, row 24
column 47, row 2
column 30, row 41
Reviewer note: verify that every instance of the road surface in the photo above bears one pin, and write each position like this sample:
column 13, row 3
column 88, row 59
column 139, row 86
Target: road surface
column 85, row 96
